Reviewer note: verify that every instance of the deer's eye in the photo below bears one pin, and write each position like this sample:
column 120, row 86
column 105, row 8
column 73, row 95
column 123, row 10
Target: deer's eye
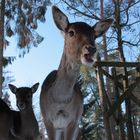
column 71, row 33
column 29, row 96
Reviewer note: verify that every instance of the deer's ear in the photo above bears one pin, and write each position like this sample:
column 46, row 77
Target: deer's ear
column 13, row 88
column 101, row 27
column 60, row 19
column 35, row 87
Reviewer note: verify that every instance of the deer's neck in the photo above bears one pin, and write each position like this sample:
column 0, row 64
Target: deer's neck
column 67, row 75
column 29, row 125
column 28, row 116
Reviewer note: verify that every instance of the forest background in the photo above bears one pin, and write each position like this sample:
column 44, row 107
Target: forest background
column 31, row 47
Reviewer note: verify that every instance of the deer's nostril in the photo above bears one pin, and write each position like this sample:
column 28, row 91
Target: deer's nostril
column 21, row 106
column 91, row 49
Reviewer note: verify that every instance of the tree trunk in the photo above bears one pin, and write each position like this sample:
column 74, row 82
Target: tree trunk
column 112, row 122
column 129, row 125
column 2, row 11
column 103, row 99
column 119, row 111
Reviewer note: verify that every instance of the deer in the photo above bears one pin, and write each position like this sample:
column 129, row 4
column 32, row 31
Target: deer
column 22, row 124
column 61, row 100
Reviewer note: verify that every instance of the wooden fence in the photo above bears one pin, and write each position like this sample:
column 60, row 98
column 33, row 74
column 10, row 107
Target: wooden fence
column 124, row 77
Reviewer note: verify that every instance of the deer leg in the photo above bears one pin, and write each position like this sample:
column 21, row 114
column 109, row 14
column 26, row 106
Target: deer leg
column 71, row 132
column 50, row 131
column 59, row 134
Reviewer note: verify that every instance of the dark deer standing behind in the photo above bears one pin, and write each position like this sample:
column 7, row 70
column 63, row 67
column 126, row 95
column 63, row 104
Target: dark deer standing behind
column 61, row 99
column 22, row 124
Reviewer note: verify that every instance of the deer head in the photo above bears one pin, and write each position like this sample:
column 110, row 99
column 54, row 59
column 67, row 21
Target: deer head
column 80, row 37
column 24, row 95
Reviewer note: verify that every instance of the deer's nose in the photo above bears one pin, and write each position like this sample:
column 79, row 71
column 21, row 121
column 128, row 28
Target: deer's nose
column 21, row 106
column 91, row 49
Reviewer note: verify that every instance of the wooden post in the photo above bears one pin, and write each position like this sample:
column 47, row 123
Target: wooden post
column 129, row 124
column 117, row 95
column 102, row 93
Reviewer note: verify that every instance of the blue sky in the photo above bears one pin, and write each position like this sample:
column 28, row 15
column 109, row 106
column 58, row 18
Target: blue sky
column 40, row 61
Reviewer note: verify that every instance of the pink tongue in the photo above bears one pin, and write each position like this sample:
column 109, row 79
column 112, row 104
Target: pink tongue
column 88, row 57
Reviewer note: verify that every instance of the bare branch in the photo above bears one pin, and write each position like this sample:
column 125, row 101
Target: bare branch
column 132, row 44
column 127, row 17
column 111, row 50
column 86, row 7
column 130, row 5
column 133, row 23
column 87, row 15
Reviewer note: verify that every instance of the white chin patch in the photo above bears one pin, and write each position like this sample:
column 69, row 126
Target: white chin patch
column 86, row 63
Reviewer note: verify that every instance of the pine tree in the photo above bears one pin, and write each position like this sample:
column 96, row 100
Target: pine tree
column 20, row 18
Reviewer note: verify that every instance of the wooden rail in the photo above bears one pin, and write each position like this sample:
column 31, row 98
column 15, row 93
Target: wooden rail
column 117, row 64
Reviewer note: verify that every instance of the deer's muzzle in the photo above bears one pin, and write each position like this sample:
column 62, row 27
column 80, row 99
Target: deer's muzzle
column 88, row 55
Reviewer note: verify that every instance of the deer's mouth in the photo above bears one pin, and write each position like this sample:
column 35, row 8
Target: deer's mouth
column 89, row 57
column 21, row 106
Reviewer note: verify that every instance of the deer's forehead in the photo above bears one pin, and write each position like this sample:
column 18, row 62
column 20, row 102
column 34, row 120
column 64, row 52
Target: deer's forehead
column 81, row 27
column 23, row 91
